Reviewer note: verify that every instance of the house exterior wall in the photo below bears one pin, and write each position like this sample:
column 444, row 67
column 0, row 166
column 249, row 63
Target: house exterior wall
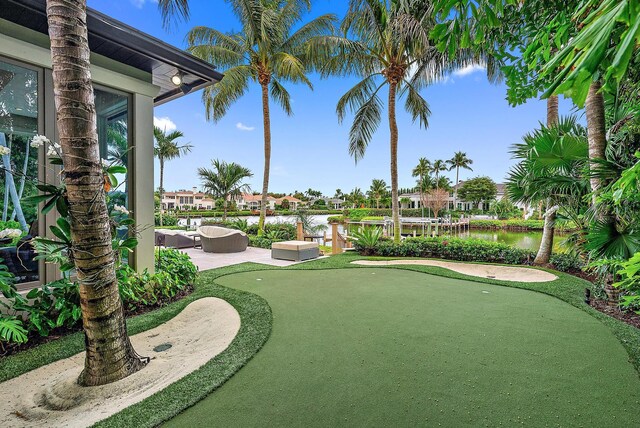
column 32, row 49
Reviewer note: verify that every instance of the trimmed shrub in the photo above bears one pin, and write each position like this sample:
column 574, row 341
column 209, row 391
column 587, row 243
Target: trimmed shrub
column 472, row 250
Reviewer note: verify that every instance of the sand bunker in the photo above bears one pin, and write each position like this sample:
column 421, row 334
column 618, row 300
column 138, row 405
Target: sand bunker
column 504, row 273
column 201, row 331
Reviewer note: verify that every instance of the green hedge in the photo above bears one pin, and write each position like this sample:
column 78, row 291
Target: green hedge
column 517, row 224
column 470, row 250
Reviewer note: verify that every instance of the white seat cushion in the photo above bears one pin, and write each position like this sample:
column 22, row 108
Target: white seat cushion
column 294, row 245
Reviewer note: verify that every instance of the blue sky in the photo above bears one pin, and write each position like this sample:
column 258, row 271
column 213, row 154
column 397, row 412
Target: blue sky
column 310, row 148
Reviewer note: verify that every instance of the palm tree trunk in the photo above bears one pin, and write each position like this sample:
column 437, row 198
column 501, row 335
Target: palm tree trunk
column 267, row 156
column 109, row 354
column 393, row 129
column 552, row 111
column 546, row 245
column 224, row 209
column 161, row 188
column 455, row 192
column 596, row 134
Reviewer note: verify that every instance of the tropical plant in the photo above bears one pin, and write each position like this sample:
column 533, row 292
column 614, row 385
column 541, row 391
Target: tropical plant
column 552, row 170
column 436, row 200
column 437, row 167
column 366, row 239
column 387, row 45
column 377, row 190
column 166, row 149
column 271, row 49
column 422, row 170
column 224, row 181
column 459, row 160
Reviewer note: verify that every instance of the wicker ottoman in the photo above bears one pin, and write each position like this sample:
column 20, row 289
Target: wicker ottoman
column 294, row 250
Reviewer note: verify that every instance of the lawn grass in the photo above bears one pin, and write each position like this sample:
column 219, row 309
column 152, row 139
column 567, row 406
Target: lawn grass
column 392, row 347
column 256, row 325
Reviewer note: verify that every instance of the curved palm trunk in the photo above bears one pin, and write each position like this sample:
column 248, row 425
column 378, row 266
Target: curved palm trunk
column 596, row 134
column 267, row 156
column 393, row 129
column 546, row 245
column 224, row 209
column 109, row 354
column 548, row 230
column 161, row 188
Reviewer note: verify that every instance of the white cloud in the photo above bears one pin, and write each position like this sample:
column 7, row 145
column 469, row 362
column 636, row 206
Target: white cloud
column 164, row 123
column 469, row 69
column 140, row 3
column 241, row 126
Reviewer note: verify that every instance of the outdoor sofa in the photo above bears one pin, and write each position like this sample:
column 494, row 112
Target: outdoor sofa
column 175, row 238
column 295, row 250
column 217, row 239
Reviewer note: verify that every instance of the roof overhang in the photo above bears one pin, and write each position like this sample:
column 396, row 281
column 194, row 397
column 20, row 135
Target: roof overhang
column 123, row 43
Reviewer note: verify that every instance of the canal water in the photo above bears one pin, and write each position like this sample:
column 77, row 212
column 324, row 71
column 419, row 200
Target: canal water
column 525, row 240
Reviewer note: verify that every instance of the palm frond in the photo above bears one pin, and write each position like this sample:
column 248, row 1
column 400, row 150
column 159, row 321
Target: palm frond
column 417, row 106
column 281, row 96
column 219, row 97
column 355, row 97
column 365, row 124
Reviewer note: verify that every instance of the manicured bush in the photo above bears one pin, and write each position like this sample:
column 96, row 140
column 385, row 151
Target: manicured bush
column 567, row 262
column 167, row 219
column 474, row 250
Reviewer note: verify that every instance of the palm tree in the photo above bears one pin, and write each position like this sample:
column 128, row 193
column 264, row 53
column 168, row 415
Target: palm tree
column 109, row 354
column 224, row 180
column 438, row 167
column 388, row 45
column 551, row 171
column 459, row 160
column 271, row 49
column 378, row 190
column 356, row 197
column 166, row 149
column 421, row 170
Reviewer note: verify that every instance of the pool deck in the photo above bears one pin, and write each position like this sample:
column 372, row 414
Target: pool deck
column 206, row 261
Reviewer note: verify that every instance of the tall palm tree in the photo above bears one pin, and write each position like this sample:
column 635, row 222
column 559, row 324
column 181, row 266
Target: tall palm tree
column 166, row 149
column 271, row 49
column 109, row 354
column 378, row 190
column 421, row 170
column 551, row 170
column 224, row 180
column 438, row 167
column 459, row 160
column 388, row 45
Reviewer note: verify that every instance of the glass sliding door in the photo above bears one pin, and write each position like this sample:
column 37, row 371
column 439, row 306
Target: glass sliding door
column 19, row 123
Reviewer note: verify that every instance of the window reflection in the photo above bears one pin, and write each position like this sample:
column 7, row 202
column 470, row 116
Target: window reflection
column 18, row 169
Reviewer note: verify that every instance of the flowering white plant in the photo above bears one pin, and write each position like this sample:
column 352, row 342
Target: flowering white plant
column 10, row 233
column 4, row 150
column 105, row 163
column 39, row 141
column 121, row 209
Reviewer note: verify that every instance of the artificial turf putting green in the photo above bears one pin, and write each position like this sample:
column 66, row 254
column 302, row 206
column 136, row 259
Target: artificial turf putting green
column 389, row 347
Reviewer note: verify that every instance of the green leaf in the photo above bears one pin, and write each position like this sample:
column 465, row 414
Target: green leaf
column 117, row 169
column 129, row 243
column 62, row 206
column 49, row 205
column 59, row 233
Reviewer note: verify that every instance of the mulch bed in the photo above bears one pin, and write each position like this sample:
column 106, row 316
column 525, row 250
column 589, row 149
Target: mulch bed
column 131, row 311
column 630, row 318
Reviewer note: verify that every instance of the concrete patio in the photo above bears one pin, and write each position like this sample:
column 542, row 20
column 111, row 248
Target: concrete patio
column 206, row 261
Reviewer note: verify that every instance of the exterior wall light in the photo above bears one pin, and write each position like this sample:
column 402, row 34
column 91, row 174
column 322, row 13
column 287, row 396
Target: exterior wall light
column 176, row 79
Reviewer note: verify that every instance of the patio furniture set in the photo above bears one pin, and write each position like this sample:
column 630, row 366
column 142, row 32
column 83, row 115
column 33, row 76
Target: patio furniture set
column 215, row 239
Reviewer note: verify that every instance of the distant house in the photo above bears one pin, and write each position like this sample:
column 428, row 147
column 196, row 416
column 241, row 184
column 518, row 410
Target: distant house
column 294, row 203
column 414, row 199
column 331, row 203
column 247, row 201
column 187, row 199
